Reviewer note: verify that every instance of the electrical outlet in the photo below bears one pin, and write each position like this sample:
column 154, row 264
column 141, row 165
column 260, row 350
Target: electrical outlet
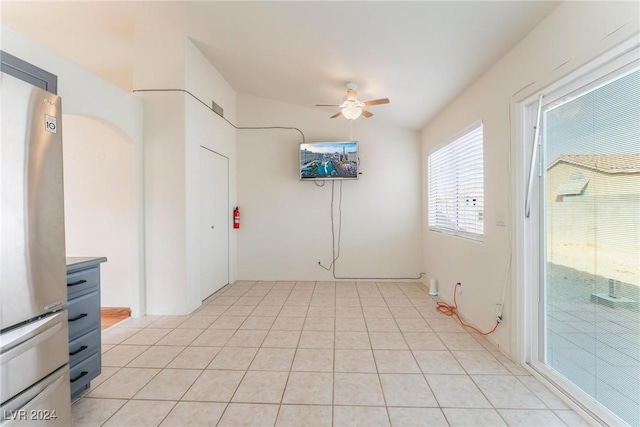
column 319, row 261
column 459, row 285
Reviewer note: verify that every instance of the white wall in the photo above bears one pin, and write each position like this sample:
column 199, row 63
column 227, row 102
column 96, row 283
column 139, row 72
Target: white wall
column 165, row 221
column 205, row 128
column 575, row 31
column 205, row 82
column 86, row 94
column 176, row 125
column 100, row 202
column 285, row 223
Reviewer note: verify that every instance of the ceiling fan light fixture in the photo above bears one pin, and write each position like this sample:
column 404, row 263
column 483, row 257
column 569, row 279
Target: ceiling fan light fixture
column 351, row 107
column 351, row 112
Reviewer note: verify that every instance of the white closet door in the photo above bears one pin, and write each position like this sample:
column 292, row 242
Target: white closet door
column 215, row 221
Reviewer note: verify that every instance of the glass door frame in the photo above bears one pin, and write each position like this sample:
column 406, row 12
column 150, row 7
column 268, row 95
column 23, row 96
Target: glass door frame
column 529, row 239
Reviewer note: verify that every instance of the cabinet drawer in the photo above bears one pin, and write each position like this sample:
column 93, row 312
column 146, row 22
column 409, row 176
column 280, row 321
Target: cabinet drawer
column 82, row 282
column 84, row 314
column 84, row 346
column 82, row 374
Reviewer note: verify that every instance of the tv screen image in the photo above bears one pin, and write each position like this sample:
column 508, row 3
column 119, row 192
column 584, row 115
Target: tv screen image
column 329, row 160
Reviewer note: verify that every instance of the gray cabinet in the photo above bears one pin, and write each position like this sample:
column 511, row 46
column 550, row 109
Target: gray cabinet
column 83, row 305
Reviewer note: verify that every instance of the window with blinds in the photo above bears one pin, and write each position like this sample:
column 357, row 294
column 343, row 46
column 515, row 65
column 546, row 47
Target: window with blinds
column 456, row 187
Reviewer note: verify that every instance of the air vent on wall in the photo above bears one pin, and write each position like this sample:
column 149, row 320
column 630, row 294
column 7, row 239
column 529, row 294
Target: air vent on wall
column 217, row 109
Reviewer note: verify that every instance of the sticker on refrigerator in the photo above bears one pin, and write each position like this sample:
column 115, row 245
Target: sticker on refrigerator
column 50, row 123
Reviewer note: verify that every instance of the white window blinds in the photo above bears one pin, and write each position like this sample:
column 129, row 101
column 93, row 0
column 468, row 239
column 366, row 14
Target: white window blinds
column 456, row 187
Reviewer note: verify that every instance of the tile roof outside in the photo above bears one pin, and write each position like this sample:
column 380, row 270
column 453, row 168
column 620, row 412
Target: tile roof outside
column 608, row 163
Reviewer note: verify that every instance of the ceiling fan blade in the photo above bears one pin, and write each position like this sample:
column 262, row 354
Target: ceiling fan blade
column 366, row 113
column 339, row 113
column 377, row 101
column 351, row 95
column 327, row 105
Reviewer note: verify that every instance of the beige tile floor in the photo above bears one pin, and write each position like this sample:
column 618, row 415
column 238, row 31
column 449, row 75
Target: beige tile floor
column 311, row 354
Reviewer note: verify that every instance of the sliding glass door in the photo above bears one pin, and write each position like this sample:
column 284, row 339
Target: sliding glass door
column 587, row 216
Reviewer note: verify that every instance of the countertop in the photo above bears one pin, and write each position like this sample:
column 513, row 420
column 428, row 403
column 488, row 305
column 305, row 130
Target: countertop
column 83, row 262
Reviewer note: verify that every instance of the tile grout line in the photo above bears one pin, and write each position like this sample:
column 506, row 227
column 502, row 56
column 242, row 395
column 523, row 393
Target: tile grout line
column 221, row 347
column 424, row 376
column 384, row 397
column 205, row 368
column 295, row 352
column 333, row 370
column 245, row 372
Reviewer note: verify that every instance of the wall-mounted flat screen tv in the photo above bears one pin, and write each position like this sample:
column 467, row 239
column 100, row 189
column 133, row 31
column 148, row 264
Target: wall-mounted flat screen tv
column 329, row 160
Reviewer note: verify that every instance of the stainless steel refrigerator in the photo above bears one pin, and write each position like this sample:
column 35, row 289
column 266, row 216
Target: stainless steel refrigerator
column 34, row 337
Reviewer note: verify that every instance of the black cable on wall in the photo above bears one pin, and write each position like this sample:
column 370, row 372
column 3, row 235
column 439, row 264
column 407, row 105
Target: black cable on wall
column 336, row 248
column 225, row 119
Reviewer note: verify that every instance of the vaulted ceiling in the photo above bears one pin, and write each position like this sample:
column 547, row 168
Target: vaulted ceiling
column 418, row 54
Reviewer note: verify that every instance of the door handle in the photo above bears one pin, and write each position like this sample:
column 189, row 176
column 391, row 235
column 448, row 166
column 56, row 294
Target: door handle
column 83, row 348
column 534, row 157
column 82, row 374
column 78, row 317
column 79, row 282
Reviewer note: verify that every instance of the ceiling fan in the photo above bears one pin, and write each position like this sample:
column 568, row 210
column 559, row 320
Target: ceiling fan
column 351, row 108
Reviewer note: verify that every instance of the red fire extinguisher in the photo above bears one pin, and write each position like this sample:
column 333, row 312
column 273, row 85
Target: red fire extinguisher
column 236, row 217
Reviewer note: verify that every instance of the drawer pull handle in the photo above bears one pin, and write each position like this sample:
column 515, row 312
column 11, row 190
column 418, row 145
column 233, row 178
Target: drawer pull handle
column 83, row 348
column 82, row 374
column 79, row 282
column 79, row 317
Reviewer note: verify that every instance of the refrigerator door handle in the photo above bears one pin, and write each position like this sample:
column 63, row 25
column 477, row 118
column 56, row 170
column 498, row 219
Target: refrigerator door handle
column 31, row 338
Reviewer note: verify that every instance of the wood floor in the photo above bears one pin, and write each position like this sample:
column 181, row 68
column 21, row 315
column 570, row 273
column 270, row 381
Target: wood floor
column 109, row 316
